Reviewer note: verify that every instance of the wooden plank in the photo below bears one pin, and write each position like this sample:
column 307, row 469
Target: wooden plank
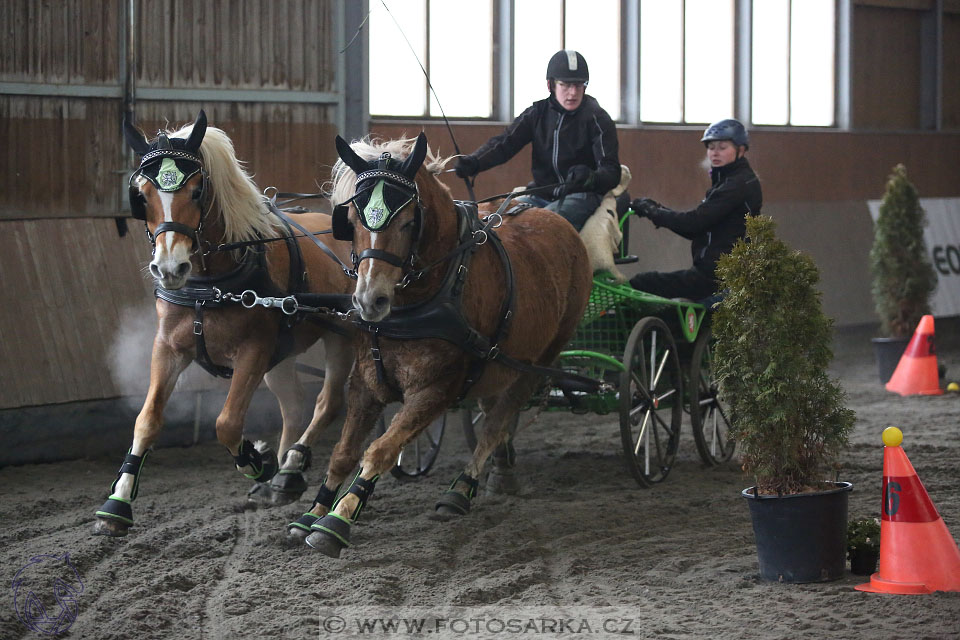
column 51, row 151
column 886, row 69
column 951, row 70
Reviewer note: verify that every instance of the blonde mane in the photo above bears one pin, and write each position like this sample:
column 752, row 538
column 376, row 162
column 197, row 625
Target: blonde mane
column 241, row 206
column 344, row 180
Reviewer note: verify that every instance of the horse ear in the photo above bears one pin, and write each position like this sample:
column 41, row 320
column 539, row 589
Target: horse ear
column 196, row 135
column 134, row 138
column 350, row 157
column 412, row 164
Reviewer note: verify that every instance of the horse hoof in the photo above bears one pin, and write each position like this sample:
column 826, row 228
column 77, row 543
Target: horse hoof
column 260, row 494
column 110, row 527
column 297, row 535
column 445, row 514
column 502, row 482
column 453, row 503
column 324, row 543
column 329, row 535
column 299, row 529
column 287, row 487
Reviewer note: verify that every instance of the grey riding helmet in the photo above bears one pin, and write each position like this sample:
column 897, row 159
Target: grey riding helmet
column 728, row 129
column 568, row 66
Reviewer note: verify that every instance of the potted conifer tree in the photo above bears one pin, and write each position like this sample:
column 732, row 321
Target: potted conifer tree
column 903, row 277
column 773, row 345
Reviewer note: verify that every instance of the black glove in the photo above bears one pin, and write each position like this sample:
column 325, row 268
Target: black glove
column 643, row 207
column 579, row 178
column 467, row 167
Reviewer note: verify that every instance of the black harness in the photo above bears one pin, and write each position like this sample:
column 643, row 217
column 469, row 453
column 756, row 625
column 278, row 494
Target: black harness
column 212, row 292
column 384, row 187
column 441, row 316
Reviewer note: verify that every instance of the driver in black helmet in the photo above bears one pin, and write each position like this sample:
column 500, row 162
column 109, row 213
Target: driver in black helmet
column 717, row 222
column 574, row 151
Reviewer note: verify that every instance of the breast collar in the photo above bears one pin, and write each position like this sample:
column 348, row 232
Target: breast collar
column 205, row 292
column 441, row 315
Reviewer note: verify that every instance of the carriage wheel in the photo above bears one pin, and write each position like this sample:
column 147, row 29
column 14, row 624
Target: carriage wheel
column 472, row 421
column 710, row 417
column 418, row 457
column 651, row 401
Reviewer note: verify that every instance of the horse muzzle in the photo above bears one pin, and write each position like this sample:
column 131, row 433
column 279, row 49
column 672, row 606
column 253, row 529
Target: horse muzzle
column 170, row 274
column 373, row 305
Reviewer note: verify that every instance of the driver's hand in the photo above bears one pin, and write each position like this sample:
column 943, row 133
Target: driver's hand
column 467, row 167
column 643, row 207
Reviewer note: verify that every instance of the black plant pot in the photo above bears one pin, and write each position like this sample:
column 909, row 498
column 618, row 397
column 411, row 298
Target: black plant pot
column 863, row 562
column 801, row 537
column 888, row 352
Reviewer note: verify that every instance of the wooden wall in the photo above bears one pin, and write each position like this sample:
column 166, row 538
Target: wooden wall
column 255, row 44
column 888, row 67
column 70, row 149
column 951, row 68
column 82, row 324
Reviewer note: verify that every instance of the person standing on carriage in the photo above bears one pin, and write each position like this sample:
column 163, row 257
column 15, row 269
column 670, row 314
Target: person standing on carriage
column 574, row 157
column 716, row 224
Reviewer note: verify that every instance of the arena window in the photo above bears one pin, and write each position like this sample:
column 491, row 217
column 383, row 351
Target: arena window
column 793, row 62
column 770, row 62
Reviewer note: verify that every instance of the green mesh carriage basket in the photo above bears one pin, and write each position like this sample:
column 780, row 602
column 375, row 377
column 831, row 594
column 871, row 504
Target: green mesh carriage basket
column 613, row 309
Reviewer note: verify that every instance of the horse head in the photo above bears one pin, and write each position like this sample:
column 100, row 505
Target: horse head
column 383, row 218
column 169, row 192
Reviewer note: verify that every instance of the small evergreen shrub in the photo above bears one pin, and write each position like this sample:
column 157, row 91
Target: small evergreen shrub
column 773, row 345
column 903, row 277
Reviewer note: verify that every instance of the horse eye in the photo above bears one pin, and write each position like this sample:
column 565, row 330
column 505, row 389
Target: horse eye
column 408, row 223
column 197, row 193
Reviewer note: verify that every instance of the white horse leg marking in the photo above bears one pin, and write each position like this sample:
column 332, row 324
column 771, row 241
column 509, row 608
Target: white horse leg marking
column 125, row 483
column 292, row 461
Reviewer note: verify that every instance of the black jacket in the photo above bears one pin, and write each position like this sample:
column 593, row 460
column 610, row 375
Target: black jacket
column 720, row 220
column 561, row 139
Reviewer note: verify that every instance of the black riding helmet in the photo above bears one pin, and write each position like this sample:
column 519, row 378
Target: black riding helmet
column 568, row 66
column 728, row 129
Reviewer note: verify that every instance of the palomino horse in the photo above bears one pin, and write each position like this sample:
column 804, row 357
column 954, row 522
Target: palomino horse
column 461, row 300
column 213, row 235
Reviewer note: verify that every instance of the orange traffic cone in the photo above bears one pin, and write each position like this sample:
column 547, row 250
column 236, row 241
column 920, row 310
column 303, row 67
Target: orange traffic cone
column 917, row 552
column 916, row 373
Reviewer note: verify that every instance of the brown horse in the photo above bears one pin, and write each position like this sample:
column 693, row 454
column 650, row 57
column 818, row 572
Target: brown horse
column 422, row 266
column 213, row 235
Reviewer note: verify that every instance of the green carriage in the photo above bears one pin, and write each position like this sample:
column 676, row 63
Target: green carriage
column 653, row 357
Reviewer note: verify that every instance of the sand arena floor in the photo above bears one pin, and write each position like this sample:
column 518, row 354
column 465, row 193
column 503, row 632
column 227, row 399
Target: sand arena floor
column 581, row 540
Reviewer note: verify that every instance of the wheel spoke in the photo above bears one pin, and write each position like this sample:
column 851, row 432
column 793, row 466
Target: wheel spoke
column 663, row 362
column 643, row 431
column 715, row 436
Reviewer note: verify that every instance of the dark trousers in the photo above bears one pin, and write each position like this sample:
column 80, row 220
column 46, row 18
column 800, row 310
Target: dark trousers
column 575, row 207
column 688, row 283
